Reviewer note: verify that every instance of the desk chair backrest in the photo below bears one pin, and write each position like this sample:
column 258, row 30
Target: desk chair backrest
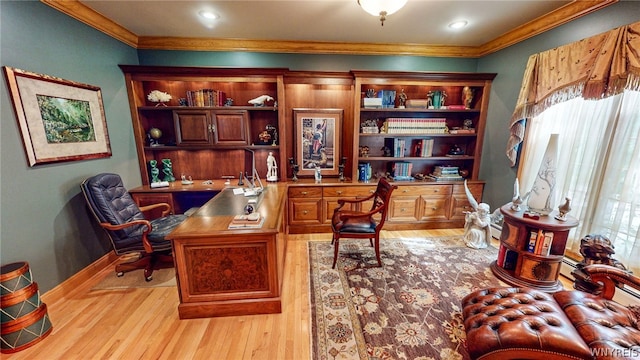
column 110, row 202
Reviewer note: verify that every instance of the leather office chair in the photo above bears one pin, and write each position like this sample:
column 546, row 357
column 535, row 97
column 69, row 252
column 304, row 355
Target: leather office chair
column 347, row 223
column 127, row 228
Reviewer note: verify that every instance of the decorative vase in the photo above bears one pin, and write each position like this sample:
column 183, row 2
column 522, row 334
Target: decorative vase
column 541, row 197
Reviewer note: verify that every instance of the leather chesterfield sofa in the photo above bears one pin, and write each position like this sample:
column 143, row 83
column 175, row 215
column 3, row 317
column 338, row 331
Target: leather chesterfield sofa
column 522, row 323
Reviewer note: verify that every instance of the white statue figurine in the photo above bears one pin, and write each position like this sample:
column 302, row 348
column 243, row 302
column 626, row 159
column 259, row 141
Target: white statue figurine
column 272, row 168
column 260, row 100
column 477, row 230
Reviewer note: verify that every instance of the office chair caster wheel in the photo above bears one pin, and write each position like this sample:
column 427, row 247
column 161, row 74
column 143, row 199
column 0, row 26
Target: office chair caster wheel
column 148, row 278
column 120, row 273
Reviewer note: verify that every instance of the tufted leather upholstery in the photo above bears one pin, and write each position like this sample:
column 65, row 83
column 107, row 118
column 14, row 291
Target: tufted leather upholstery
column 349, row 223
column 513, row 323
column 602, row 323
column 522, row 323
column 123, row 221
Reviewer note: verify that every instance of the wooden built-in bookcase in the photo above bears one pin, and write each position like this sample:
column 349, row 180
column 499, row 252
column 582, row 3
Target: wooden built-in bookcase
column 209, row 142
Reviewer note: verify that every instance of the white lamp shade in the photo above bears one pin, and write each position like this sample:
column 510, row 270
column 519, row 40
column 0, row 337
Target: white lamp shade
column 375, row 7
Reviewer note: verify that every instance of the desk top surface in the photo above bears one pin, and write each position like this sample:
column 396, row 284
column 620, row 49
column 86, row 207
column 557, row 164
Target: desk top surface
column 213, row 218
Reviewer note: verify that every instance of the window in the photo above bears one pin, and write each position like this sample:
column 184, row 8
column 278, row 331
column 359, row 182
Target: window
column 598, row 168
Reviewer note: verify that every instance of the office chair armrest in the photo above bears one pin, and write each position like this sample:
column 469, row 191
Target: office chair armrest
column 166, row 208
column 146, row 223
column 609, row 277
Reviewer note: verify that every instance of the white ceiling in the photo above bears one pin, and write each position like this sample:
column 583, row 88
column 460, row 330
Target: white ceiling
column 419, row 22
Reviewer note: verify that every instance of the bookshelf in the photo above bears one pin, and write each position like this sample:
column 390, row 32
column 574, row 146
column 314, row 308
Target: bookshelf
column 531, row 250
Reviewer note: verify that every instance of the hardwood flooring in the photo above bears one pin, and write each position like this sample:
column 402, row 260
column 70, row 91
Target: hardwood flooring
column 143, row 323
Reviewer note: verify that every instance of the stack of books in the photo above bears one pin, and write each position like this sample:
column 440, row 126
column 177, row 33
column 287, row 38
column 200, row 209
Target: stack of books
column 252, row 221
column 445, row 173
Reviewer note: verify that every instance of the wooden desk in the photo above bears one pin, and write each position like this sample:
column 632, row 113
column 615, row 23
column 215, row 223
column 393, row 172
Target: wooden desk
column 222, row 272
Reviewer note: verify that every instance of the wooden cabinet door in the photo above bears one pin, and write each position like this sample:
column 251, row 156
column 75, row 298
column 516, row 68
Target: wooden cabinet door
column 403, row 208
column 434, row 208
column 230, row 127
column 459, row 202
column 193, row 127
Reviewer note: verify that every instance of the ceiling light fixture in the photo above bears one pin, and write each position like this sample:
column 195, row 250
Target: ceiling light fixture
column 458, row 24
column 210, row 15
column 381, row 8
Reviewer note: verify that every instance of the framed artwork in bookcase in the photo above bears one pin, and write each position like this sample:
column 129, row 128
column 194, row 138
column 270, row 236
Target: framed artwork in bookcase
column 317, row 140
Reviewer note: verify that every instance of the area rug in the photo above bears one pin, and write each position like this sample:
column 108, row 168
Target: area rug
column 135, row 279
column 407, row 309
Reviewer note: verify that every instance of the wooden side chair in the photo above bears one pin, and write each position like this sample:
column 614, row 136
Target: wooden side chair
column 126, row 225
column 349, row 223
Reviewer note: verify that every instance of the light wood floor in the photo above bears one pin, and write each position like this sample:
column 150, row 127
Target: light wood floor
column 143, row 323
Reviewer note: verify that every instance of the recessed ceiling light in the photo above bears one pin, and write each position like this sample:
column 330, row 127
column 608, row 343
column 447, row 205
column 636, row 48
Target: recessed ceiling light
column 208, row 14
column 458, row 24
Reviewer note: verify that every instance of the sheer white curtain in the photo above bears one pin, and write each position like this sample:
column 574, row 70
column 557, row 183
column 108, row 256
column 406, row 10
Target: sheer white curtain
column 598, row 167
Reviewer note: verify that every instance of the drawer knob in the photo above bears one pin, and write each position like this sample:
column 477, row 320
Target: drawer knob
column 339, row 192
column 434, row 208
column 304, row 193
column 403, row 210
column 405, row 190
column 305, row 212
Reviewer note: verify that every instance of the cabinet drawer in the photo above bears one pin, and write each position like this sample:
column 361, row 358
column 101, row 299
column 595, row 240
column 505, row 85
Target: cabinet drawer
column 434, row 208
column 305, row 211
column 300, row 192
column 409, row 190
column 460, row 206
column 348, row 191
column 403, row 209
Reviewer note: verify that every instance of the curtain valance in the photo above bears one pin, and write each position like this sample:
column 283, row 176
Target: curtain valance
column 592, row 68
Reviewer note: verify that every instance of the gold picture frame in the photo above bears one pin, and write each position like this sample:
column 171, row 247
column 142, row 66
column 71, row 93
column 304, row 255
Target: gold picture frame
column 318, row 133
column 59, row 120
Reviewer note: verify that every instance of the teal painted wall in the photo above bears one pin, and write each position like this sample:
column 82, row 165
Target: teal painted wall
column 304, row 61
column 510, row 64
column 42, row 214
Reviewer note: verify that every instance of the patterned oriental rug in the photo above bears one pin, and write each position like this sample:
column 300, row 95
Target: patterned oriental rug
column 408, row 309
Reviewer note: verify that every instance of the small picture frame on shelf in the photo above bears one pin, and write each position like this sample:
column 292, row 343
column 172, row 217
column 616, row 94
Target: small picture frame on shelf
column 318, row 140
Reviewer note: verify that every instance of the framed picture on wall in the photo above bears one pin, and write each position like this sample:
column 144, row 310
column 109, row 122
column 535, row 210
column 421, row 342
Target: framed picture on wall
column 59, row 120
column 317, row 140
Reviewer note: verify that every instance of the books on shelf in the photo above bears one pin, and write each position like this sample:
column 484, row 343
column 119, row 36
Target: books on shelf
column 445, row 173
column 415, row 126
column 246, row 221
column 206, row 97
column 510, row 260
column 423, row 147
column 401, row 170
column 396, row 146
column 540, row 242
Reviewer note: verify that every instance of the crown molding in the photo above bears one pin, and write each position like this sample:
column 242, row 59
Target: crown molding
column 563, row 15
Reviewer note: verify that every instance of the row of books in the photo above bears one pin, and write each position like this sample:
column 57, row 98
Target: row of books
column 445, row 173
column 401, row 170
column 423, row 147
column 540, row 242
column 507, row 259
column 206, row 97
column 398, row 147
column 415, row 126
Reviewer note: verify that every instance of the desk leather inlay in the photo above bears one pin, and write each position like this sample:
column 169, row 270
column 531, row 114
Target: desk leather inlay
column 227, row 203
column 227, row 269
